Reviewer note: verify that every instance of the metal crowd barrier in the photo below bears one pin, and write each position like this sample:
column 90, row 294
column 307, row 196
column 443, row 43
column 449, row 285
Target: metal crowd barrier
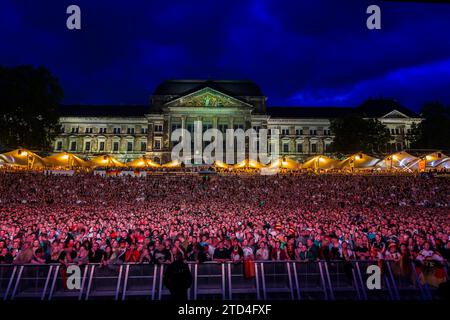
column 272, row 280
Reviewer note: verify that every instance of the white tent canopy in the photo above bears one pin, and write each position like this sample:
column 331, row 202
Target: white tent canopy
column 400, row 161
column 435, row 159
column 320, row 162
column 360, row 160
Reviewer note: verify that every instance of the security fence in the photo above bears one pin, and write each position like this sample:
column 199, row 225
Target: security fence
column 271, row 280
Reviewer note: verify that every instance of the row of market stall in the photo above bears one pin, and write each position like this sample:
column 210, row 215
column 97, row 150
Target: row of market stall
column 398, row 161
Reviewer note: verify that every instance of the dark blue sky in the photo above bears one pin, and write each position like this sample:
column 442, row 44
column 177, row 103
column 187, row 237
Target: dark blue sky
column 301, row 52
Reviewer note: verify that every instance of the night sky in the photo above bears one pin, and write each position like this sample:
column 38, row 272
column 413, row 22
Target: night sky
column 303, row 52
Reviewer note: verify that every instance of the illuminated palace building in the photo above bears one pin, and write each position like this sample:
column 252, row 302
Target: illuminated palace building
column 130, row 131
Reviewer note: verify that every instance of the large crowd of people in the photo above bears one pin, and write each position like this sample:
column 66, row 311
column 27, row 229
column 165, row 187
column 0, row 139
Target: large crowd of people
column 91, row 219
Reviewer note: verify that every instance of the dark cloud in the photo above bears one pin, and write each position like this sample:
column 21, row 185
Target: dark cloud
column 301, row 52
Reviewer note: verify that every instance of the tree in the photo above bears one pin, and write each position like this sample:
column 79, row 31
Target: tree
column 434, row 131
column 355, row 134
column 29, row 98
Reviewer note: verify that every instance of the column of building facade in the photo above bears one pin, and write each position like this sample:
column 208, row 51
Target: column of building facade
column 306, row 145
column 66, row 143
column 150, row 136
column 291, row 139
column 94, row 144
column 230, row 123
column 167, row 127
column 320, row 145
column 320, row 141
column 183, row 121
column 79, row 140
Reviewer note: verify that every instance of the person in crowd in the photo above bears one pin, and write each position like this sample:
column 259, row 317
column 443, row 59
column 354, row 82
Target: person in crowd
column 38, row 257
column 311, row 251
column 263, row 252
column 132, row 254
column 25, row 255
column 67, row 256
column 96, row 255
column 362, row 251
column 221, row 254
column 145, row 257
column 82, row 257
column 279, row 251
column 227, row 217
column 236, row 253
column 5, row 256
column 162, row 254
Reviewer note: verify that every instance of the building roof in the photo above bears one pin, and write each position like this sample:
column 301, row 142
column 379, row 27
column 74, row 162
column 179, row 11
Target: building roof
column 371, row 108
column 308, row 112
column 230, row 87
column 376, row 108
column 103, row 110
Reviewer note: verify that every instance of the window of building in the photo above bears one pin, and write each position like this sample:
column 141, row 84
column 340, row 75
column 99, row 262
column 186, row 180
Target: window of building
column 75, row 129
column 129, row 146
column 101, row 146
column 143, row 146
column 102, row 130
column 207, row 127
column 327, row 132
column 116, row 146
column 87, row 146
column 312, row 132
column 116, row 130
column 399, row 147
column 284, row 131
column 88, row 130
column 397, row 131
column 175, row 126
column 299, row 147
column 58, row 145
column 157, row 144
column 313, row 147
column 298, row 132
column 130, row 130
column 327, row 147
column 73, row 146
column 158, row 128
column 144, row 130
column 286, row 147
column 392, row 131
column 274, row 131
column 238, row 126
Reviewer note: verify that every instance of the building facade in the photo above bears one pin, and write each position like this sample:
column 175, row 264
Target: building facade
column 130, row 131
